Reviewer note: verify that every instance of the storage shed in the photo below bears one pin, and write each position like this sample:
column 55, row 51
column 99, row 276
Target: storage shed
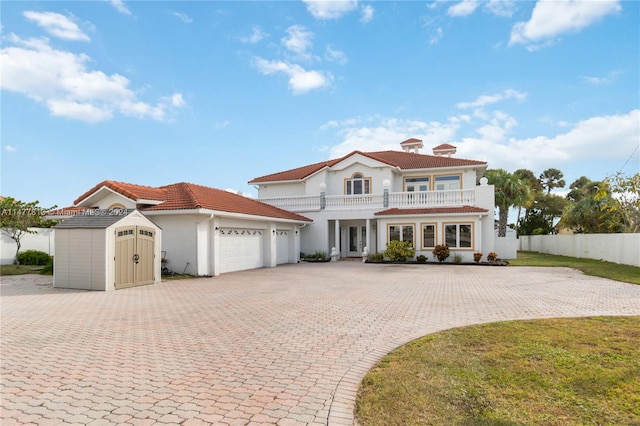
column 106, row 250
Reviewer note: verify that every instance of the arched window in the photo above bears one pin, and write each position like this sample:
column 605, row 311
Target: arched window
column 358, row 184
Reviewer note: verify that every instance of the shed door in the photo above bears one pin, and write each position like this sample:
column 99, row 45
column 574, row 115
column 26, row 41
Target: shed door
column 241, row 249
column 135, row 246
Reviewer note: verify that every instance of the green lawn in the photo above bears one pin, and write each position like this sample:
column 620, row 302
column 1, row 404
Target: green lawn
column 598, row 268
column 540, row 372
column 19, row 270
column 552, row 372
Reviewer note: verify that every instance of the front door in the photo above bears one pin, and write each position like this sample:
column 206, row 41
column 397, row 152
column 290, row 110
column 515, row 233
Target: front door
column 357, row 240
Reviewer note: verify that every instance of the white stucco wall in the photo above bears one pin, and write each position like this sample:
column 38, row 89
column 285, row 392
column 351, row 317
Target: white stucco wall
column 178, row 240
column 42, row 240
column 617, row 248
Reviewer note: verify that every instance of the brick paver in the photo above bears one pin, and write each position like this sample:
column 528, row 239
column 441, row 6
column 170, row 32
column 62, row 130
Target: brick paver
column 284, row 346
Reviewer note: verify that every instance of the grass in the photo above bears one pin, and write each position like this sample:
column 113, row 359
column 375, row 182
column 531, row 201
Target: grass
column 19, row 270
column 551, row 372
column 598, row 268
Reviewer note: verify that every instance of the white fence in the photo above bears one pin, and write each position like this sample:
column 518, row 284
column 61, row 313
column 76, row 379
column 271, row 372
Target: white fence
column 42, row 240
column 617, row 248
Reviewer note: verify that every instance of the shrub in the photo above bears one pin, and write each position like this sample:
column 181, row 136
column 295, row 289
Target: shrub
column 376, row 257
column 48, row 268
column 399, row 251
column 457, row 258
column 492, row 257
column 477, row 256
column 33, row 257
column 422, row 258
column 441, row 252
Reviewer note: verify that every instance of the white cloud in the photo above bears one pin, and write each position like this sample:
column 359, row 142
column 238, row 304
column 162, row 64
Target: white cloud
column 503, row 8
column 330, row 9
column 10, row 148
column 300, row 80
column 177, row 100
column 464, row 8
column 256, row 36
column 120, row 7
column 367, row 14
column 335, row 56
column 381, row 134
column 436, row 36
column 299, row 39
column 552, row 18
column 183, row 17
column 221, row 124
column 57, row 25
column 484, row 100
column 61, row 81
column 599, row 81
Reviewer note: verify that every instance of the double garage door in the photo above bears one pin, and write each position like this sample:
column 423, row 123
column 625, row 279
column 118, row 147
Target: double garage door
column 242, row 249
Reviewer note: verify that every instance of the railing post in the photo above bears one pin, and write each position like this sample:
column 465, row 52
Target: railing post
column 323, row 197
column 385, row 195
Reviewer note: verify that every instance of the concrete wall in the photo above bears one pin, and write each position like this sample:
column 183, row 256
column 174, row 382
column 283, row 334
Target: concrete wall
column 617, row 248
column 42, row 240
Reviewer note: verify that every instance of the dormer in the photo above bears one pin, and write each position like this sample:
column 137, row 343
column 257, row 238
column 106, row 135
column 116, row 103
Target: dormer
column 444, row 150
column 412, row 145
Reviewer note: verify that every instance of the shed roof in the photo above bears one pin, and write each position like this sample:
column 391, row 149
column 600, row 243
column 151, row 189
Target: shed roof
column 96, row 220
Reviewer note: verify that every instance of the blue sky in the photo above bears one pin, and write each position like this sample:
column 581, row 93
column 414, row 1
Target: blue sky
column 217, row 93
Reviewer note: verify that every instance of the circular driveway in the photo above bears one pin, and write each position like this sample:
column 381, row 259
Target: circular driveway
column 285, row 346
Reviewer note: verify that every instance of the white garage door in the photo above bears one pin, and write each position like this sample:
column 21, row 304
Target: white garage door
column 241, row 249
column 282, row 246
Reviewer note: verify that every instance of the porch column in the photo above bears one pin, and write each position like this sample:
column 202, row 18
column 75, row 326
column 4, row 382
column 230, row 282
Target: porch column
column 368, row 238
column 336, row 237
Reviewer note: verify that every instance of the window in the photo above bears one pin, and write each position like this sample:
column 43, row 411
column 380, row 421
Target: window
column 358, row 184
column 459, row 235
column 415, row 184
column 401, row 233
column 447, row 183
column 428, row 235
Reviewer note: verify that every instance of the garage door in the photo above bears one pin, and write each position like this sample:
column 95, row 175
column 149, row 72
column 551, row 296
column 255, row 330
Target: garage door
column 282, row 246
column 241, row 249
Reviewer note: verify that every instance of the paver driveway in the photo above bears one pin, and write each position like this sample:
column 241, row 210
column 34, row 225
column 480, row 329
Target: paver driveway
column 273, row 346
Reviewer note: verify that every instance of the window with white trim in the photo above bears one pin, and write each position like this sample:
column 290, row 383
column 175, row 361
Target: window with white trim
column 459, row 235
column 444, row 183
column 428, row 235
column 416, row 184
column 358, row 184
column 401, row 233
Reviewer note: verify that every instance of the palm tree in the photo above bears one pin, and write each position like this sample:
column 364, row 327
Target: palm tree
column 552, row 178
column 511, row 191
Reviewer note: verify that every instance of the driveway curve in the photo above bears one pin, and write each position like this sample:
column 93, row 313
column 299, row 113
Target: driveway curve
column 285, row 346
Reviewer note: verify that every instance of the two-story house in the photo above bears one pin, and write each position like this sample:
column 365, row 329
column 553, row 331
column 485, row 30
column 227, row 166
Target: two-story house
column 366, row 199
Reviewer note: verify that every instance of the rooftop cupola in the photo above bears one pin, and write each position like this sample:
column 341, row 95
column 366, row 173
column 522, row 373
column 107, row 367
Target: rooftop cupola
column 445, row 149
column 412, row 144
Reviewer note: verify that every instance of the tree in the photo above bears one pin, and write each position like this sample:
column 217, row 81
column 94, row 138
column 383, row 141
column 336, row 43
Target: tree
column 16, row 217
column 544, row 209
column 625, row 193
column 591, row 216
column 510, row 191
column 552, row 178
column 581, row 188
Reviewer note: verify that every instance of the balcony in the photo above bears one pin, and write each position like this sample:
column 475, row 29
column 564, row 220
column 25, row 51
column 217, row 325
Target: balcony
column 452, row 198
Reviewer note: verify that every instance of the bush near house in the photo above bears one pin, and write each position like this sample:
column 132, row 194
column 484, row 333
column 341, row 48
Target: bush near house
column 33, row 257
column 441, row 252
column 399, row 251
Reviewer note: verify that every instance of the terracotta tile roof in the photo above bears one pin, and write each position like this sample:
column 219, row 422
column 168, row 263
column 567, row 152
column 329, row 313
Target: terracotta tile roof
column 129, row 190
column 188, row 196
column 443, row 146
column 402, row 160
column 433, row 210
column 411, row 141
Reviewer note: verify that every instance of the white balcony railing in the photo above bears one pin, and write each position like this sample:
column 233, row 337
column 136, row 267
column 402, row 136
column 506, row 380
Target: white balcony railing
column 451, row 198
